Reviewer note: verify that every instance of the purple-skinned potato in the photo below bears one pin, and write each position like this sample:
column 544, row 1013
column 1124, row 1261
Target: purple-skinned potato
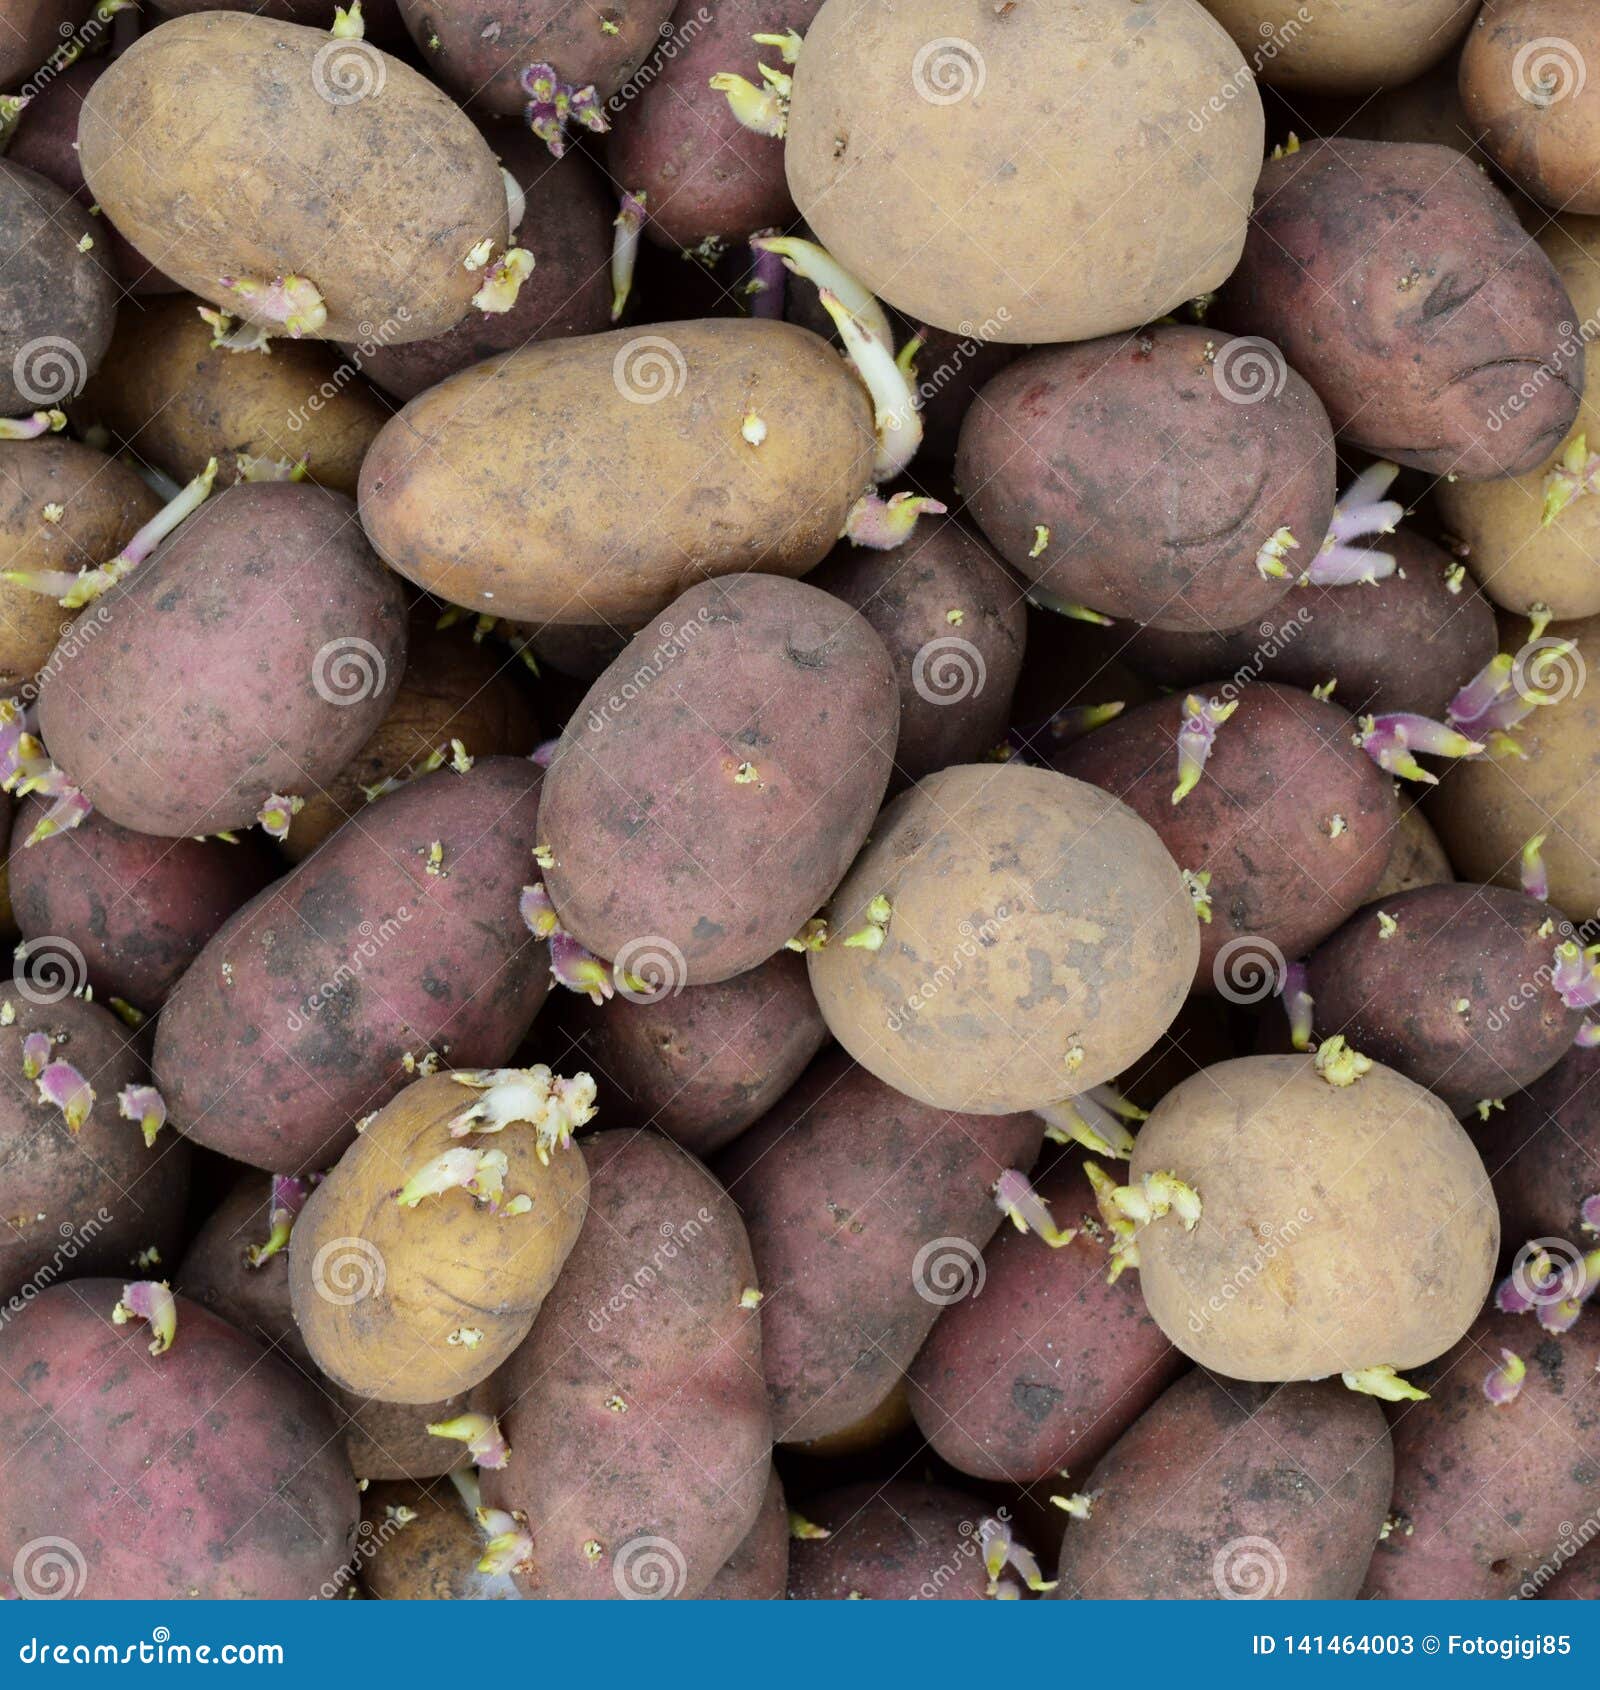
column 758, row 1570
column 898, row 1541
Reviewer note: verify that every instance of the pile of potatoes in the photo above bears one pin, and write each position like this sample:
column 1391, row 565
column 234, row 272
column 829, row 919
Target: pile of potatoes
column 799, row 802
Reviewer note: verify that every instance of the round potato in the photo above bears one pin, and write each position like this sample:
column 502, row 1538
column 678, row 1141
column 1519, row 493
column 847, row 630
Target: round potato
column 1342, row 46
column 1033, row 939
column 895, row 1542
column 1342, row 1226
column 420, row 1543
column 758, row 1570
column 934, row 111
column 1418, row 858
column 1543, row 1152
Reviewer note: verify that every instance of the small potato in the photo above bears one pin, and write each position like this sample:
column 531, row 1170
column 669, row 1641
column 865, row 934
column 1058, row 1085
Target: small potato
column 416, row 1266
column 58, row 296
column 421, row 1543
column 1398, row 281
column 1292, row 822
column 1418, row 859
column 1147, row 477
column 260, row 647
column 1223, row 1491
column 227, row 107
column 640, row 1444
column 702, row 1063
column 1341, row 46
column 1046, row 1363
column 859, row 1242
column 1038, row 940
column 593, row 479
column 1342, row 1226
column 32, row 34
column 758, row 1570
column 954, row 623
column 1543, row 1151
column 176, row 400
column 102, row 505
column 895, row 1542
column 710, row 790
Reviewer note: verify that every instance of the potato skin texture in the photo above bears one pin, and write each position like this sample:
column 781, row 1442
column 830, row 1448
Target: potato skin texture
column 355, row 959
column 533, row 487
column 1042, row 1369
column 1260, row 821
column 966, row 252
column 1418, row 858
column 246, row 1493
column 103, row 503
column 699, row 1064
column 840, row 1227
column 1395, row 999
column 1398, row 281
column 1222, row 1490
column 1543, row 1152
column 279, row 644
column 31, row 34
column 1382, row 1233
column 1159, row 466
column 763, row 731
column 1345, row 46
column 687, row 1460
column 895, row 1542
column 758, row 1570
column 431, row 1558
column 203, row 195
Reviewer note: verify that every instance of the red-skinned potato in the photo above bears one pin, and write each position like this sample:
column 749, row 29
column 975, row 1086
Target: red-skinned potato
column 1418, row 859
column 895, row 1542
column 33, row 35
column 758, row 1570
column 1223, row 1491
column 207, row 1470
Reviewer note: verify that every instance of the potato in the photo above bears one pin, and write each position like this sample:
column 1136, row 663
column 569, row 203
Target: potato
column 1293, row 823
column 83, row 1200
column 227, row 107
column 478, row 494
column 103, row 504
column 880, row 1425
column 1486, row 1493
column 58, row 298
column 932, row 112
column 1045, row 1364
column 1222, row 1491
column 859, row 1242
column 711, row 789
column 758, row 1570
column 1543, row 1152
column 895, row 1542
column 32, row 35
column 381, row 17
column 420, row 1543
column 1570, row 1580
column 1398, row 281
column 1456, row 995
column 314, row 1003
column 1341, row 46
column 266, row 675
column 413, row 1278
column 1426, row 109
column 1342, row 1226
column 1418, row 858
column 702, row 1063
column 177, row 401
column 139, row 909
column 1486, row 809
column 209, row 1470
column 640, row 1445
column 1227, row 448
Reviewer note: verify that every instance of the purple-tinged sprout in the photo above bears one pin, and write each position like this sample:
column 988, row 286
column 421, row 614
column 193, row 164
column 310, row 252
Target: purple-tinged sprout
column 151, row 1300
column 1503, row 1384
column 1384, row 1384
column 763, row 111
column 1361, row 511
column 1197, row 733
column 30, row 428
column 1576, row 976
column 544, row 754
column 1575, row 474
column 585, row 105
column 578, row 969
column 70, row 810
column 480, row 1173
column 247, row 468
column 1587, row 1036
column 503, row 281
column 145, row 1105
column 818, row 266
column 16, row 719
column 1079, row 719
column 625, row 249
column 1510, row 1298
column 289, row 1195
column 278, row 812
column 802, row 1530
column 36, row 1048
column 882, row 525
column 537, row 911
column 1001, row 1550
column 1297, row 1004
column 62, row 1085
column 291, row 304
column 554, row 1105
column 896, row 419
column 1090, row 1121
column 1339, row 1062
column 1560, row 1314
column 767, row 287
column 1535, row 876
column 1485, row 693
column 1269, row 560
column 481, row 1433
column 1391, row 742
column 541, row 84
column 1589, row 1213
column 509, row 1548
column 1027, row 1211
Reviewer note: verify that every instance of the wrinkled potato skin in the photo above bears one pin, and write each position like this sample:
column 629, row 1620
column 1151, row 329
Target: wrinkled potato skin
column 1543, row 1152
column 177, row 401
column 758, row 1570
column 103, row 505
column 231, row 650
column 837, row 1224
column 31, row 32
column 1418, row 859
column 450, row 1264
column 1214, row 455
column 201, row 194
column 966, row 250
column 894, row 1542
column 210, row 1471
column 763, row 733
column 689, row 1457
column 1342, row 46
column 530, row 486
column 354, row 960
column 1224, row 1490
column 432, row 1558
column 1043, row 1369
column 1411, row 372
column 1345, row 1285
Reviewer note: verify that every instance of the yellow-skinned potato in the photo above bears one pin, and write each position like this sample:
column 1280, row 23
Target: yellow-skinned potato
column 179, row 401
column 237, row 153
column 1342, row 46
column 1418, row 859
column 1344, row 1223
column 593, row 479
column 417, row 1267
column 421, row 1543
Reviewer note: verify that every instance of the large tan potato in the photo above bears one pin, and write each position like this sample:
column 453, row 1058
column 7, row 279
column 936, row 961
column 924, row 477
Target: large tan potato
column 1341, row 1227
column 1342, row 46
column 1026, row 172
